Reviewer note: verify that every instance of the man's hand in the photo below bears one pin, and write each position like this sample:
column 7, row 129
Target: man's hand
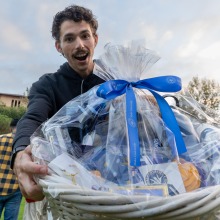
column 25, row 169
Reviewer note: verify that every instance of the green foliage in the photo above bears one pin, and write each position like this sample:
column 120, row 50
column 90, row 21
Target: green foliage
column 6, row 115
column 4, row 124
column 205, row 96
column 12, row 112
column 205, row 91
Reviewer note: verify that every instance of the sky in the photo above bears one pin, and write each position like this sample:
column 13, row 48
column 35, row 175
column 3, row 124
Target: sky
column 185, row 34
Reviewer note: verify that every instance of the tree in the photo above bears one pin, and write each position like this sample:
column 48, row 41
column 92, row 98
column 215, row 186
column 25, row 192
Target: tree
column 201, row 98
column 6, row 115
column 24, row 99
column 4, row 124
column 205, row 91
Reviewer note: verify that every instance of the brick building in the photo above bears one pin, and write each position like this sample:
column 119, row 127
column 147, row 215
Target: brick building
column 12, row 100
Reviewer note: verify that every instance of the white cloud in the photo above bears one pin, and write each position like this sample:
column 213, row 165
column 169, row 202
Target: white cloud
column 193, row 41
column 13, row 37
column 167, row 36
column 185, row 35
column 148, row 31
column 212, row 52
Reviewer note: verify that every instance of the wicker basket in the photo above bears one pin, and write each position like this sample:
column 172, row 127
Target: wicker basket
column 72, row 202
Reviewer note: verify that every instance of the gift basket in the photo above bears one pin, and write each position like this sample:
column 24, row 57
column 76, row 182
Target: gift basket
column 123, row 151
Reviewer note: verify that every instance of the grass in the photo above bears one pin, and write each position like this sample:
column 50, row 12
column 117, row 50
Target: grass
column 20, row 216
column 21, row 211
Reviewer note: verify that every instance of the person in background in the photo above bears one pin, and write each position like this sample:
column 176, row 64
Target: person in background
column 10, row 195
column 75, row 32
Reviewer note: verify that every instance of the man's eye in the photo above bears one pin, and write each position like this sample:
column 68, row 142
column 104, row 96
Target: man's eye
column 69, row 39
column 85, row 36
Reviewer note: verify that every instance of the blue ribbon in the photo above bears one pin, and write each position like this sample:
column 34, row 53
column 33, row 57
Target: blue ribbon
column 113, row 88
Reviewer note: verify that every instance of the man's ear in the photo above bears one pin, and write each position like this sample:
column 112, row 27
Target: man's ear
column 58, row 47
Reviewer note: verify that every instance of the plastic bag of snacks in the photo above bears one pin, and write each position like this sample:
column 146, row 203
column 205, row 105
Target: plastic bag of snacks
column 200, row 130
column 122, row 137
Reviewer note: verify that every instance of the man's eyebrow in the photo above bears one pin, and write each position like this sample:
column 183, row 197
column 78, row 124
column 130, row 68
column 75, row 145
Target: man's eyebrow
column 69, row 35
column 72, row 34
column 84, row 31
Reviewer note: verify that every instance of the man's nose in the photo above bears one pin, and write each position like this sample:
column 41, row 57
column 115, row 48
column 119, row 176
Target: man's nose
column 79, row 43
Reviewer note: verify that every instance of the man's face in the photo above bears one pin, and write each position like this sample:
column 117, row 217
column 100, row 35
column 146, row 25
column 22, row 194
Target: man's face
column 77, row 44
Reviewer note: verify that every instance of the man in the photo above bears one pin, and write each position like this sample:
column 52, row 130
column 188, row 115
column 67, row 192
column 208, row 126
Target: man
column 10, row 195
column 74, row 30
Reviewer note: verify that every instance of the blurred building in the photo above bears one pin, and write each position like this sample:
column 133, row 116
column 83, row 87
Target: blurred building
column 12, row 100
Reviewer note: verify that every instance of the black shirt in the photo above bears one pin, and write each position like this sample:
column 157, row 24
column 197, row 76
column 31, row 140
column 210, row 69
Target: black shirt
column 47, row 95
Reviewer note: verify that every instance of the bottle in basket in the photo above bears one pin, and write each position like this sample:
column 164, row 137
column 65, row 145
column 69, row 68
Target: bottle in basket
column 207, row 133
column 210, row 153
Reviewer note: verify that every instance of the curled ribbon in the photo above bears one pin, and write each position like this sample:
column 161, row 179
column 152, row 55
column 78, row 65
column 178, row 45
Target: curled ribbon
column 113, row 88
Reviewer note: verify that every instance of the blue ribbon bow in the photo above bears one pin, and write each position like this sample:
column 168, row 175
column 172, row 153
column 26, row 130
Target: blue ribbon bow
column 113, row 88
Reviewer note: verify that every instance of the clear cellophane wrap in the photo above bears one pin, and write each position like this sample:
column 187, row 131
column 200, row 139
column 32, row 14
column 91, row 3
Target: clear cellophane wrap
column 87, row 143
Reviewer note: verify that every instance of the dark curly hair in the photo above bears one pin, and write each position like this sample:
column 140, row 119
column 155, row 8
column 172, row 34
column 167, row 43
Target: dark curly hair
column 75, row 13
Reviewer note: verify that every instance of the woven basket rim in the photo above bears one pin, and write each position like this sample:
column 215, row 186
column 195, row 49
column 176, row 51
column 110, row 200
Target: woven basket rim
column 115, row 206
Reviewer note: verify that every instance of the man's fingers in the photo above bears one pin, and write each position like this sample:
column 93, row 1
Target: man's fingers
column 27, row 165
column 31, row 191
column 33, row 168
column 28, row 149
column 26, row 170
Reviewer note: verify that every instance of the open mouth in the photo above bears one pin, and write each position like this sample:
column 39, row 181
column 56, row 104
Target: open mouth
column 81, row 57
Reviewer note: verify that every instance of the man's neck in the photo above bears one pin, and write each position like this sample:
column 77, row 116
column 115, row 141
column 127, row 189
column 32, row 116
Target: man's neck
column 86, row 73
